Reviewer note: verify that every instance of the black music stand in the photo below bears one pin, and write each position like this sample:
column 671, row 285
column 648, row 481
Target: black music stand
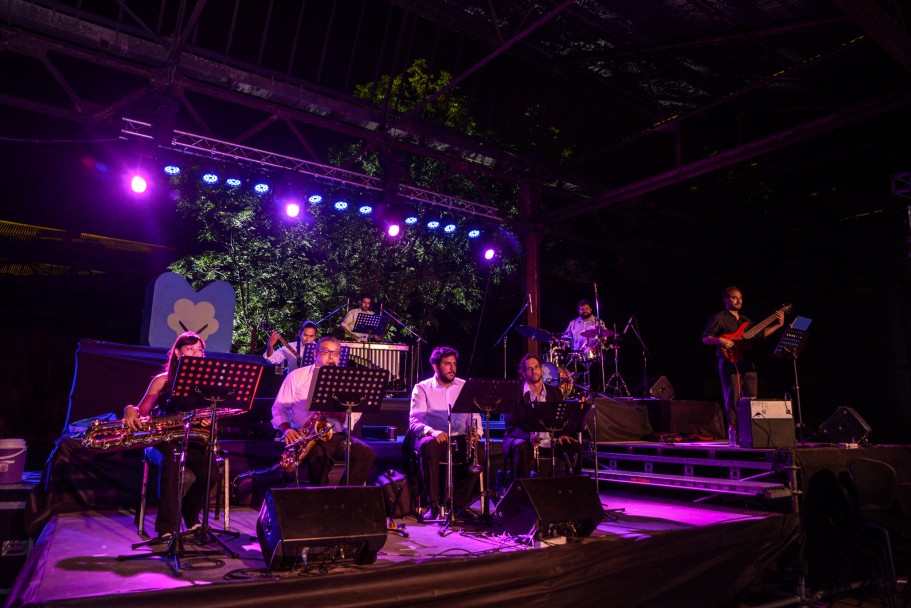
column 211, row 382
column 308, row 355
column 372, row 325
column 789, row 347
column 488, row 396
column 564, row 417
column 346, row 389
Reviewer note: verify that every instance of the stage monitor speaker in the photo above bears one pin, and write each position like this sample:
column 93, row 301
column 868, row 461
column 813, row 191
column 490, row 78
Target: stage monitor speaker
column 545, row 507
column 658, row 388
column 845, row 426
column 765, row 424
column 321, row 525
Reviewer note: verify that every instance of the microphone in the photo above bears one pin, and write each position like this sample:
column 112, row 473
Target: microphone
column 628, row 324
column 531, row 309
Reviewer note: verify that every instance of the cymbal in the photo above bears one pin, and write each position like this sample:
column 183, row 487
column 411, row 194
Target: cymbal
column 597, row 332
column 535, row 334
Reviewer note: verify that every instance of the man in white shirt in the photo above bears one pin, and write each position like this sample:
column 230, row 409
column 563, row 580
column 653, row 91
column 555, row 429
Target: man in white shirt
column 289, row 355
column 585, row 320
column 351, row 318
column 431, row 401
column 291, row 414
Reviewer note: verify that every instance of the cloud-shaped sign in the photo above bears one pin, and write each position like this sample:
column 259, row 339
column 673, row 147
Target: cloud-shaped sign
column 176, row 307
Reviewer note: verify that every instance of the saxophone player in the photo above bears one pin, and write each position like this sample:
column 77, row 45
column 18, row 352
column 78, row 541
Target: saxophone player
column 187, row 344
column 291, row 415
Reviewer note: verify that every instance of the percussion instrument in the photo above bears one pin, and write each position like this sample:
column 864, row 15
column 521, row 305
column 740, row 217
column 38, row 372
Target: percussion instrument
column 534, row 333
column 558, row 376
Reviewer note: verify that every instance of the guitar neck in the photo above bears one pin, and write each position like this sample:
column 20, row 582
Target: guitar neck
column 751, row 333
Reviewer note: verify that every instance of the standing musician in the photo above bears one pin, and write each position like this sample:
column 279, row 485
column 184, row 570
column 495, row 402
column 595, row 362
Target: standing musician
column 187, row 344
column 585, row 320
column 351, row 317
column 291, row 414
column 518, row 443
column 737, row 379
column 289, row 355
column 431, row 400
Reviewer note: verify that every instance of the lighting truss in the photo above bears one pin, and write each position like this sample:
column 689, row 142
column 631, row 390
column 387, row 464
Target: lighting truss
column 208, row 147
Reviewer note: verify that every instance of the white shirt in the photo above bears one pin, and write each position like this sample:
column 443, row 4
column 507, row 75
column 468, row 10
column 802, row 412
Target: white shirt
column 351, row 317
column 283, row 355
column 291, row 402
column 430, row 403
column 577, row 326
column 541, row 438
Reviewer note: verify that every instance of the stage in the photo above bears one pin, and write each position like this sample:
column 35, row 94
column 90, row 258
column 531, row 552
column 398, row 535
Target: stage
column 645, row 553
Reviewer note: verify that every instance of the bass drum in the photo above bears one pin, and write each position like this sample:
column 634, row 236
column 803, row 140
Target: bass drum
column 558, row 376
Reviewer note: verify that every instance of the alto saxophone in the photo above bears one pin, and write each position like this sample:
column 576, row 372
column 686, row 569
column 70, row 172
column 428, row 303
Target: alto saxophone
column 152, row 430
column 319, row 430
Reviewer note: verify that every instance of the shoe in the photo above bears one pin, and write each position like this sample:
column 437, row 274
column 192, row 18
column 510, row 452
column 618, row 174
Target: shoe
column 431, row 513
column 194, row 527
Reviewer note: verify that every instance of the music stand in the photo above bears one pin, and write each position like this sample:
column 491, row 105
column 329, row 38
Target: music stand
column 215, row 381
column 344, row 389
column 370, row 324
column 564, row 417
column 308, row 356
column 488, row 396
column 790, row 347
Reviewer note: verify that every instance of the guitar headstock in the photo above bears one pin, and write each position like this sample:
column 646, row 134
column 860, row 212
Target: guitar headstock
column 786, row 308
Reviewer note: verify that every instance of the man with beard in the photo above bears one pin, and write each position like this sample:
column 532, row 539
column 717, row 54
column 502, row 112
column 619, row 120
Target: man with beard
column 351, row 318
column 291, row 414
column 518, row 443
column 430, row 404
column 737, row 379
column 585, row 320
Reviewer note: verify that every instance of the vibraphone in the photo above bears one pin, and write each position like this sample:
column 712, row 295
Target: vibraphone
column 392, row 357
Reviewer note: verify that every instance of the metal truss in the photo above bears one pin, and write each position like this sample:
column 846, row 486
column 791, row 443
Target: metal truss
column 190, row 143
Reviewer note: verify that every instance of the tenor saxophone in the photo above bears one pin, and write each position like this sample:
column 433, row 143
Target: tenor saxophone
column 152, row 430
column 315, row 430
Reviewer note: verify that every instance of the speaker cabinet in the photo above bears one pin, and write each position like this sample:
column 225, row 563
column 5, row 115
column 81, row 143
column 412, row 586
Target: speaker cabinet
column 551, row 506
column 765, row 424
column 321, row 524
column 845, row 426
column 658, row 388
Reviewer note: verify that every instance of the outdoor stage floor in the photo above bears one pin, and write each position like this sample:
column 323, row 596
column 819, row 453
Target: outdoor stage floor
column 645, row 552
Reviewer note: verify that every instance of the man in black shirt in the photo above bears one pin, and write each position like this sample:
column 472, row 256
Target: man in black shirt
column 735, row 365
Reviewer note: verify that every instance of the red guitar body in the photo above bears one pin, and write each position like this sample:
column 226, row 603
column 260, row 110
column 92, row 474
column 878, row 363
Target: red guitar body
column 735, row 353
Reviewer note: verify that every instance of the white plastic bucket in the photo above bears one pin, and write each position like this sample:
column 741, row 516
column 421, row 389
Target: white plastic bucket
column 12, row 460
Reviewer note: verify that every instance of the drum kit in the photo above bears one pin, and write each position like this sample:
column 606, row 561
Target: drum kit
column 571, row 369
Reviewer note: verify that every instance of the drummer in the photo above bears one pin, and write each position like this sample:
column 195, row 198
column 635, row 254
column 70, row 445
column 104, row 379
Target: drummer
column 585, row 321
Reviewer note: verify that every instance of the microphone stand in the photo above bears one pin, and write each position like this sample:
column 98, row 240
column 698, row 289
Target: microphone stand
column 594, row 439
column 413, row 335
column 634, row 325
column 329, row 315
column 503, row 337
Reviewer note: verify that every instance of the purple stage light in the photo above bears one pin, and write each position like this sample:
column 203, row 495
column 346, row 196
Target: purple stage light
column 488, row 255
column 292, row 209
column 473, row 234
column 138, row 184
column 394, row 230
column 210, row 178
column 172, row 170
column 261, row 188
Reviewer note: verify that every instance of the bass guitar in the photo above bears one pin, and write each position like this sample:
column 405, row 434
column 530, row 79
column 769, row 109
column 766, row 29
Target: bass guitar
column 742, row 336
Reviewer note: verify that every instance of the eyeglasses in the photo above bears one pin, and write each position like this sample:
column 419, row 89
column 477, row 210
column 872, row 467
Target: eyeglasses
column 331, row 353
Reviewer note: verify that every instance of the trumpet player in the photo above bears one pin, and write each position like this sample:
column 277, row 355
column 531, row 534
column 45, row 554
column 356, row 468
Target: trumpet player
column 291, row 415
column 187, row 344
column 519, row 445
column 430, row 403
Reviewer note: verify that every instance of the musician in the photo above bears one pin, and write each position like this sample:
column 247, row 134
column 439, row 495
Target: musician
column 518, row 442
column 291, row 414
column 187, row 344
column 431, row 400
column 289, row 355
column 350, row 319
column 737, row 379
column 585, row 320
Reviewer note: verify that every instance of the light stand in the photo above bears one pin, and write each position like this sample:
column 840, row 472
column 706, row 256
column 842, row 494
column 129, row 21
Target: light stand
column 503, row 337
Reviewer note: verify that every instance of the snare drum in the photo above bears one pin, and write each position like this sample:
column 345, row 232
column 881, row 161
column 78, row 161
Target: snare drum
column 558, row 376
column 590, row 354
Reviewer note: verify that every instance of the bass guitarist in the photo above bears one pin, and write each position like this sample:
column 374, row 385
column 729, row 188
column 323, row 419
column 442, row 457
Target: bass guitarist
column 730, row 331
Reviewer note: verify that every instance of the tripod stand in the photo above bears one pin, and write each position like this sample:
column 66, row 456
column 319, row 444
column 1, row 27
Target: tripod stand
column 616, row 385
column 789, row 347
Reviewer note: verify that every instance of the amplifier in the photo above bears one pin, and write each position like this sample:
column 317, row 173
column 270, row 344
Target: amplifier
column 765, row 424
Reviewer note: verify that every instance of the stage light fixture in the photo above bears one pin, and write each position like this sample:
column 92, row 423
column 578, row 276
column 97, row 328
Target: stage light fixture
column 411, row 220
column 473, row 234
column 172, row 170
column 449, row 228
column 233, row 182
column 489, row 253
column 138, row 184
column 261, row 188
column 210, row 178
column 315, row 199
column 365, row 210
column 292, row 209
column 394, row 230
column 433, row 224
column 341, row 205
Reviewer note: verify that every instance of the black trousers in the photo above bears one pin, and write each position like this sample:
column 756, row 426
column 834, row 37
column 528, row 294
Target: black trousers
column 194, row 498
column 431, row 453
column 324, row 454
column 520, row 455
column 735, row 385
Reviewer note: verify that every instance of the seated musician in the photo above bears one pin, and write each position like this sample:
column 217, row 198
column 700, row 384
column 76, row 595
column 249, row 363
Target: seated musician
column 518, row 443
column 291, row 414
column 289, row 355
column 351, row 318
column 187, row 344
column 430, row 403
